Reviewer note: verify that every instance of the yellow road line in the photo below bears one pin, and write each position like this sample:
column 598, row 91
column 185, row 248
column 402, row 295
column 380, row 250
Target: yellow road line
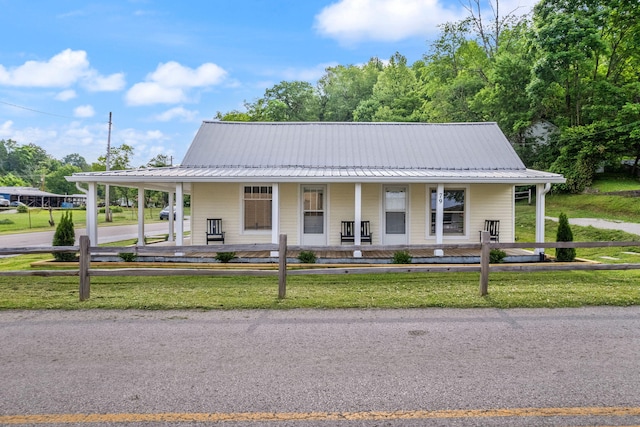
column 316, row 416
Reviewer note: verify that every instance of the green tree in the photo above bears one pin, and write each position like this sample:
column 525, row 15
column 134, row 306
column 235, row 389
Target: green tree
column 286, row 102
column 343, row 88
column 564, row 234
column 55, row 181
column 10, row 180
column 76, row 160
column 64, row 236
column 119, row 159
column 395, row 96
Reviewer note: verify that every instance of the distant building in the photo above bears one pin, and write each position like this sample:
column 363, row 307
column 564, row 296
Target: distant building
column 36, row 198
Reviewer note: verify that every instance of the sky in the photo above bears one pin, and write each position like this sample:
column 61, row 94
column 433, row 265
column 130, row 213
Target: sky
column 161, row 67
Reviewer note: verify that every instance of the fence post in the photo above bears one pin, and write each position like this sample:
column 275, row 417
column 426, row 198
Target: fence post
column 485, row 255
column 84, row 263
column 282, row 266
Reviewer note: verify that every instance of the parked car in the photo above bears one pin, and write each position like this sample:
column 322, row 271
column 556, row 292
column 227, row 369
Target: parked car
column 164, row 213
column 4, row 202
column 16, row 203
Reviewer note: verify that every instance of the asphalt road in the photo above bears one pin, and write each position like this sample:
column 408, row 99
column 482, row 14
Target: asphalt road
column 425, row 367
column 106, row 234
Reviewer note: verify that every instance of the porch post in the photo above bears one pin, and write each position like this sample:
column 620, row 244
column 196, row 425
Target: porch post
column 541, row 191
column 179, row 215
column 439, row 218
column 357, row 238
column 171, row 221
column 92, row 214
column 140, row 216
column 275, row 216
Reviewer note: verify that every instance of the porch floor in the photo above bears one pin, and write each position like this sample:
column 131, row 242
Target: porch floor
column 425, row 256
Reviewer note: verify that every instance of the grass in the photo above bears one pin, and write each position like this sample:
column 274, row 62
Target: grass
column 614, row 182
column 525, row 232
column 454, row 290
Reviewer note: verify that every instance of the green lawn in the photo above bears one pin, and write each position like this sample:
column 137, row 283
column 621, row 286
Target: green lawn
column 454, row 290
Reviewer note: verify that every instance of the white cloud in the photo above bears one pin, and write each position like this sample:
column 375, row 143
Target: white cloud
column 177, row 113
column 173, row 74
column 353, row 21
column 26, row 135
column 66, row 95
column 170, row 83
column 63, row 70
column 153, row 93
column 84, row 111
column 98, row 83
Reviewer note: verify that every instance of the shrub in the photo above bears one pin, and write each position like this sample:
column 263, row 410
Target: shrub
column 5, row 221
column 496, row 256
column 225, row 256
column 564, row 234
column 128, row 256
column 22, row 209
column 65, row 235
column 402, row 257
column 307, row 257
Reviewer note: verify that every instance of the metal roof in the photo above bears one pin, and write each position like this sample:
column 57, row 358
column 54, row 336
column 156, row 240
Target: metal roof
column 451, row 146
column 339, row 152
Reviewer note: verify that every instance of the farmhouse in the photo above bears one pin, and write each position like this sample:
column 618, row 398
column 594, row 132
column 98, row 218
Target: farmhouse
column 320, row 183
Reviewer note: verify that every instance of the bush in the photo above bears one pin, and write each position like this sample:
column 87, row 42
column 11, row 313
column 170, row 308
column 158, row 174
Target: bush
column 5, row 221
column 564, row 234
column 112, row 209
column 496, row 256
column 65, row 235
column 128, row 256
column 402, row 257
column 307, row 257
column 22, row 209
column 225, row 256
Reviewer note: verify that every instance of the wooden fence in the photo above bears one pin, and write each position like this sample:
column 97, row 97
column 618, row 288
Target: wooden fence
column 85, row 272
column 522, row 195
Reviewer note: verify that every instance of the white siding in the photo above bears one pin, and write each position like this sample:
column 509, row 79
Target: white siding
column 492, row 202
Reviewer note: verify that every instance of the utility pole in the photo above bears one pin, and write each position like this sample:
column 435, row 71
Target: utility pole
column 107, row 210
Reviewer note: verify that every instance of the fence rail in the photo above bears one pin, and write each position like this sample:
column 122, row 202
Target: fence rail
column 85, row 272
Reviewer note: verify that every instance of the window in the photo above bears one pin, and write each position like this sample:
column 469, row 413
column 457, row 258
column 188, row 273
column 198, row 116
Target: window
column 395, row 210
column 257, row 207
column 313, row 207
column 453, row 211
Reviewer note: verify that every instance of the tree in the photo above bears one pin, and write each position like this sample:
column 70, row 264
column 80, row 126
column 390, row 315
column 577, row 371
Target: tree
column 394, row 97
column 343, row 88
column 119, row 159
column 55, row 181
column 159, row 161
column 564, row 234
column 567, row 40
column 64, row 236
column 10, row 180
column 286, row 102
column 76, row 160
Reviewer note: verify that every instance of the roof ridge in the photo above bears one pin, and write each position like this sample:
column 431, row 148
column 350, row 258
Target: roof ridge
column 348, row 123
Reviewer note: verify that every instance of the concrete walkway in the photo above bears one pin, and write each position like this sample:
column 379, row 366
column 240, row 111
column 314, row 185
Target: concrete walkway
column 629, row 227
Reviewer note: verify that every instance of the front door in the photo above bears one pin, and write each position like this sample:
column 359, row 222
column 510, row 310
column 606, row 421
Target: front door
column 313, row 215
column 395, row 215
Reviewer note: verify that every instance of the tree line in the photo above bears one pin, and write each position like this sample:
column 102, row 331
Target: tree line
column 31, row 166
column 573, row 65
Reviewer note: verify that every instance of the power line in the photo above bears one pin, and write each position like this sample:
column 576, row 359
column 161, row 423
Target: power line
column 37, row 111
